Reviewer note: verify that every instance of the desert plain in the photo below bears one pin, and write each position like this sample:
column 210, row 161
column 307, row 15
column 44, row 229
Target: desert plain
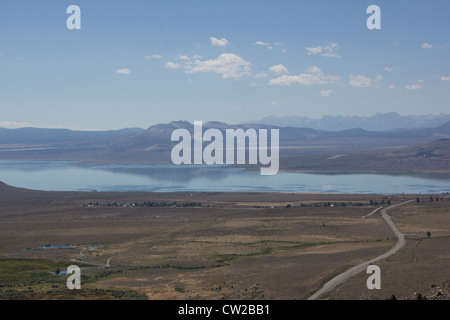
column 240, row 246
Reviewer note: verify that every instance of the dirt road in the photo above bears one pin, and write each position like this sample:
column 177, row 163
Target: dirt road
column 363, row 266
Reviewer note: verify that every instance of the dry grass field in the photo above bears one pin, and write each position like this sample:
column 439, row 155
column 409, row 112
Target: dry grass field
column 214, row 245
column 423, row 266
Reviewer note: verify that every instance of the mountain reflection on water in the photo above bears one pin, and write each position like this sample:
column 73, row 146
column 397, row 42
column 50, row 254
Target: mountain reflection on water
column 73, row 176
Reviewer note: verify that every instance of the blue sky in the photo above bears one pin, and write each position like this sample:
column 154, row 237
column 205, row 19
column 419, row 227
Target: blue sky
column 137, row 63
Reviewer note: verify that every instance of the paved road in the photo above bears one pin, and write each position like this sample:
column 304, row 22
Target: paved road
column 363, row 266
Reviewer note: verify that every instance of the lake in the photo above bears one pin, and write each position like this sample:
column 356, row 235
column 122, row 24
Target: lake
column 72, row 176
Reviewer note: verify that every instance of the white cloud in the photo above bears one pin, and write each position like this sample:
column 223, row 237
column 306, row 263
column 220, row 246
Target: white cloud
column 357, row 80
column 443, row 78
column 274, row 103
column 326, row 93
column 414, row 87
column 313, row 70
column 331, row 55
column 123, row 71
column 172, row 65
column 183, row 57
column 218, row 42
column 312, row 76
column 391, row 86
column 228, row 65
column 153, row 56
column 14, row 124
column 261, row 75
column 276, row 45
column 388, row 69
column 326, row 51
column 427, row 46
column 196, row 56
column 314, row 50
column 279, row 69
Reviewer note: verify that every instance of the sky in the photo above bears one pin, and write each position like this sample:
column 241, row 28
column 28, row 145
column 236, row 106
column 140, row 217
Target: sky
column 138, row 63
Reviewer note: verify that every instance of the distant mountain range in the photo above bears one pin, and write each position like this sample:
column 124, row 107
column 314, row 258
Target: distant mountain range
column 160, row 135
column 378, row 122
column 120, row 144
column 301, row 149
column 44, row 135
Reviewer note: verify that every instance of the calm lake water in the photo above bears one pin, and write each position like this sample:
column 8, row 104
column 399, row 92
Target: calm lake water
column 72, row 176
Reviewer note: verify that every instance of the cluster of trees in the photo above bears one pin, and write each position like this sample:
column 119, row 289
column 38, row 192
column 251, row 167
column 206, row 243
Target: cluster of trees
column 382, row 202
column 120, row 294
column 10, row 293
column 418, row 297
column 340, row 204
column 148, row 204
column 431, row 199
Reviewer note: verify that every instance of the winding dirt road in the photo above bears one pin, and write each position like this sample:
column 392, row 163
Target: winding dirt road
column 363, row 266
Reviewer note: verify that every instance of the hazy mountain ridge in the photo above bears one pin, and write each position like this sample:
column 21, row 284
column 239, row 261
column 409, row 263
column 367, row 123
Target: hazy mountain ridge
column 424, row 150
column 45, row 135
column 292, row 128
column 160, row 134
column 378, row 122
